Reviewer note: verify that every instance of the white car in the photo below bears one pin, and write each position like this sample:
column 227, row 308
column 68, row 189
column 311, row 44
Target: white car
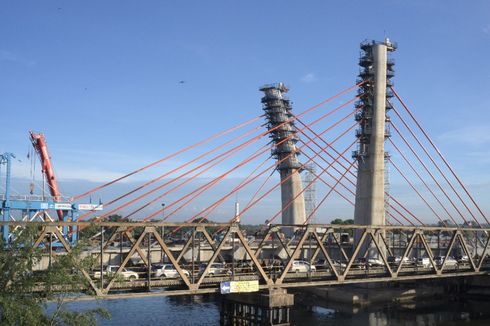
column 397, row 260
column 215, row 269
column 450, row 261
column 301, row 266
column 376, row 262
column 112, row 269
column 167, row 271
column 424, row 262
column 463, row 259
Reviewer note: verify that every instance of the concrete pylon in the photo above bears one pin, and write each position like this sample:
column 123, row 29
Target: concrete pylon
column 370, row 190
column 278, row 111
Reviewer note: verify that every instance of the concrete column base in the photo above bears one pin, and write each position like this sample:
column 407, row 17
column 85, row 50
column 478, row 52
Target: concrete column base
column 261, row 308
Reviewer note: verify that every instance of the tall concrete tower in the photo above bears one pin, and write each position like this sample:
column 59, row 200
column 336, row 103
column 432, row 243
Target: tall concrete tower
column 278, row 111
column 376, row 71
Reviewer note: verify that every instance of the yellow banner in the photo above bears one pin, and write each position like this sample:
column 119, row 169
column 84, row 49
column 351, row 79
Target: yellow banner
column 244, row 286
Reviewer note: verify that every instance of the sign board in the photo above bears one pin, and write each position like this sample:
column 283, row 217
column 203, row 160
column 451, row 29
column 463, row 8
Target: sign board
column 225, row 287
column 90, row 207
column 63, row 206
column 239, row 286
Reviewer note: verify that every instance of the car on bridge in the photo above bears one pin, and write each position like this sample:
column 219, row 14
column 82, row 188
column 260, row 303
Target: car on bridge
column 215, row 269
column 398, row 259
column 301, row 266
column 463, row 259
column 450, row 261
column 362, row 262
column 167, row 271
column 111, row 270
column 424, row 262
column 323, row 264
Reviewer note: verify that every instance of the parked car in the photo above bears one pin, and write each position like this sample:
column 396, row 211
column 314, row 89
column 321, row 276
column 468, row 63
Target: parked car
column 112, row 269
column 424, row 262
column 301, row 266
column 397, row 259
column 362, row 263
column 464, row 259
column 450, row 261
column 167, row 271
column 215, row 269
column 375, row 262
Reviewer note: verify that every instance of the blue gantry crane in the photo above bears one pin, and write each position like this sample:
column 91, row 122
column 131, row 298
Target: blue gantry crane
column 34, row 207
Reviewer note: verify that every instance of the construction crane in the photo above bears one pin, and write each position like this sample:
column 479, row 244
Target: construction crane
column 39, row 143
column 30, row 208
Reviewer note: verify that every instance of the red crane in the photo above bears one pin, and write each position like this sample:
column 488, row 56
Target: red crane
column 39, row 142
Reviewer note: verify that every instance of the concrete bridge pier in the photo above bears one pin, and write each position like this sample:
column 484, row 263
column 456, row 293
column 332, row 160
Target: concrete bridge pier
column 261, row 308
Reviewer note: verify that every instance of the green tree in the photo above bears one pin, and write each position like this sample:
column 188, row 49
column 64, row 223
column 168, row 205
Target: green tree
column 340, row 221
column 337, row 221
column 24, row 292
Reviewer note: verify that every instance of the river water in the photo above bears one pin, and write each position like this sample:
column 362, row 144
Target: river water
column 204, row 310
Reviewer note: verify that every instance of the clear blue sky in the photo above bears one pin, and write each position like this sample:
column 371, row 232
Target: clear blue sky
column 101, row 78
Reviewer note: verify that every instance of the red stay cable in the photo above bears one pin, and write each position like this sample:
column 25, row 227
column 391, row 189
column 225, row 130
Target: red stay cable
column 212, row 138
column 280, row 183
column 290, row 175
column 228, row 153
column 333, row 148
column 417, row 192
column 258, row 137
column 341, row 164
column 436, row 165
column 197, row 192
column 293, row 118
column 440, row 155
column 175, row 170
column 430, row 173
column 423, row 181
column 331, row 189
column 207, row 140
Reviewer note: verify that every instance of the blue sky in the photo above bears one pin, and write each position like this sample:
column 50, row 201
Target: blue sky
column 101, row 78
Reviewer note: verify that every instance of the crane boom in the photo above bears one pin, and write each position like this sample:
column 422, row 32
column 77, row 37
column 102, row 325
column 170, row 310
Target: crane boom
column 39, row 142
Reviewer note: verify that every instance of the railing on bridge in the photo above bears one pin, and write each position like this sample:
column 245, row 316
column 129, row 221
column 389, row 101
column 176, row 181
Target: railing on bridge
column 178, row 258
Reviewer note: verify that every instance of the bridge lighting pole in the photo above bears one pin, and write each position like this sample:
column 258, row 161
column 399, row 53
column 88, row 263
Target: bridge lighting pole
column 376, row 71
column 278, row 112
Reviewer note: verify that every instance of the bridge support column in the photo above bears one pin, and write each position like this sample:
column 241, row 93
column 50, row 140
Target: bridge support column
column 267, row 308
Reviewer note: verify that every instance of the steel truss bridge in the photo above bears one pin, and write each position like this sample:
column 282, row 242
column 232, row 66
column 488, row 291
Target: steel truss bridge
column 337, row 260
